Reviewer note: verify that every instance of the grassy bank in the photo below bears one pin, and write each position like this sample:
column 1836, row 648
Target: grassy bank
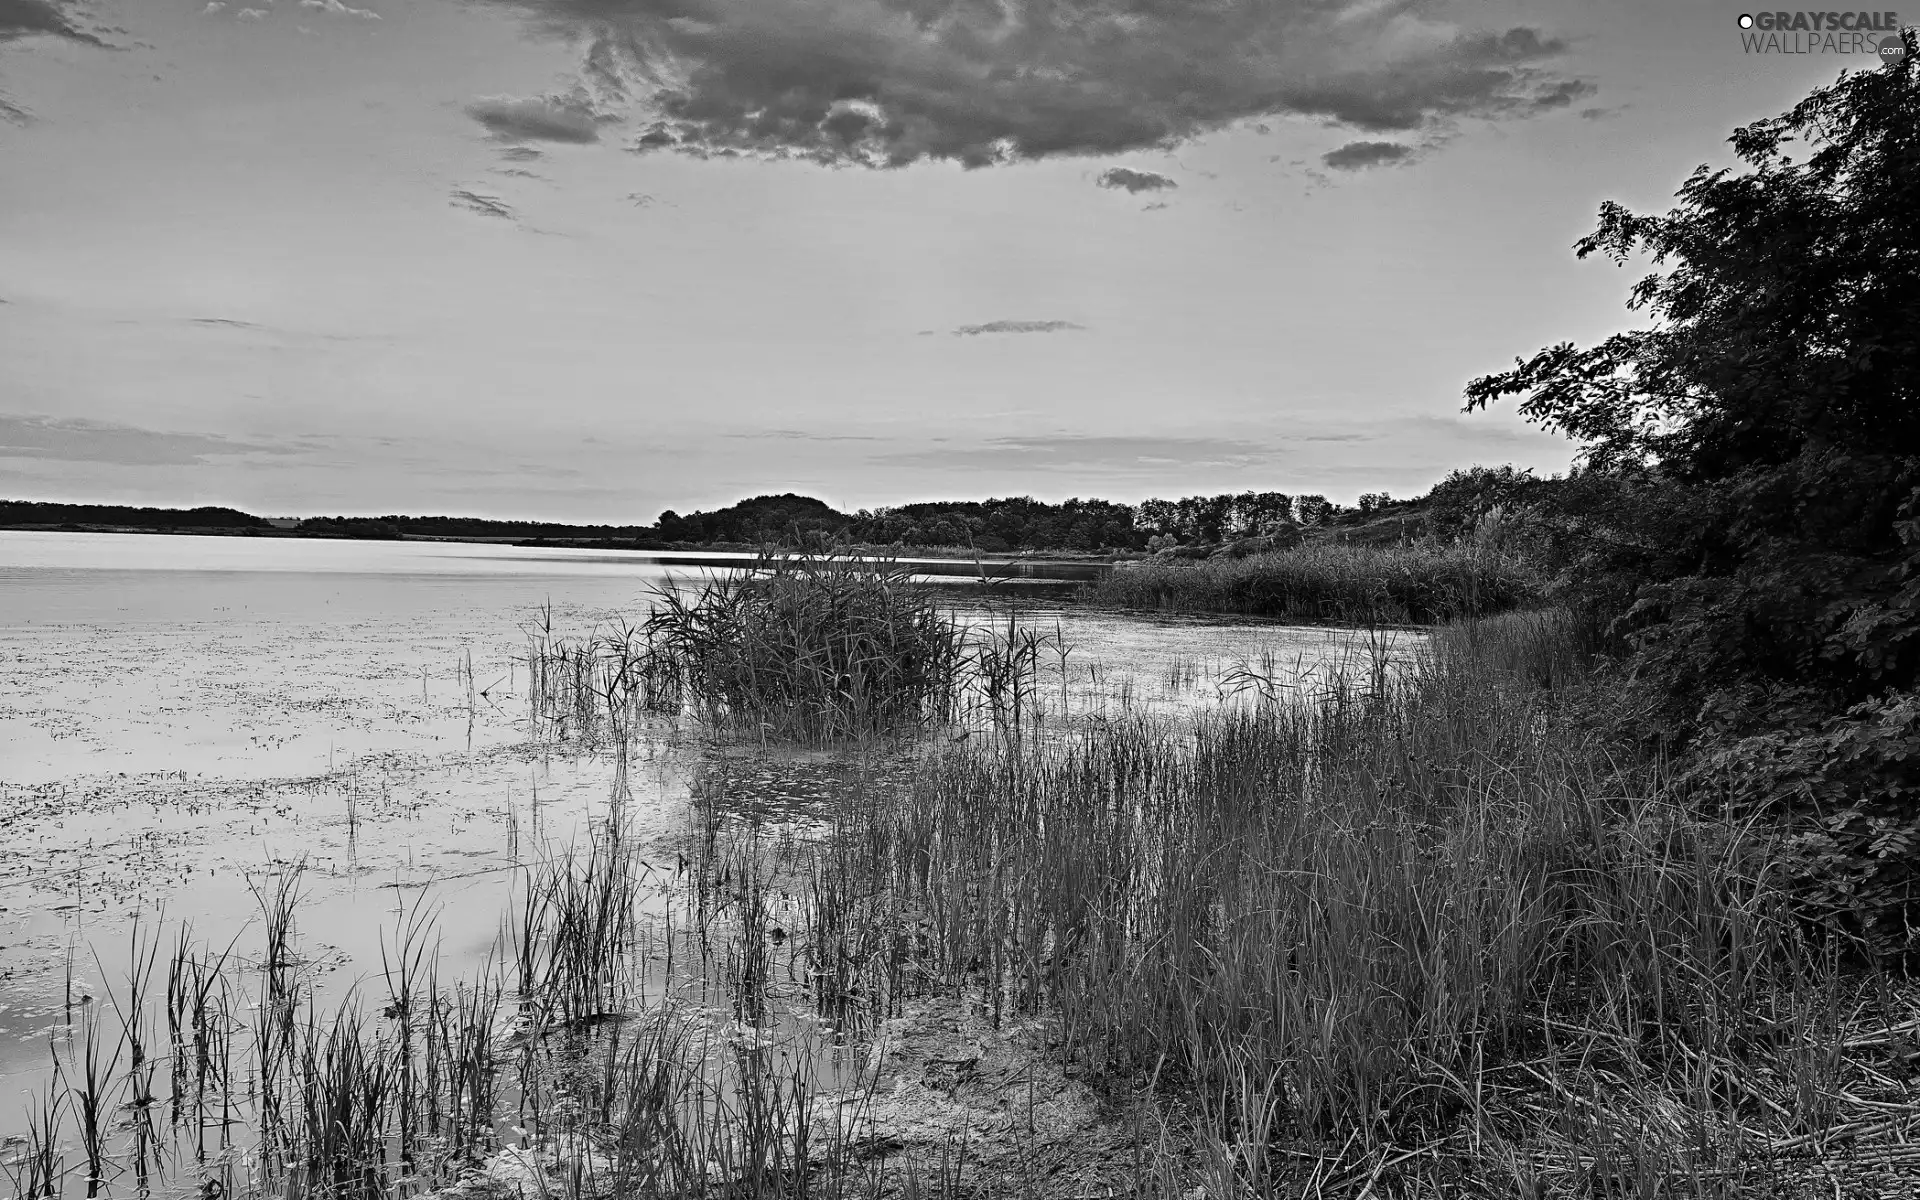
column 1436, row 929
column 1321, row 581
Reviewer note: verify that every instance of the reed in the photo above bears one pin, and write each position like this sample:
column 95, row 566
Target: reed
column 819, row 647
column 36, row 1168
column 93, row 1089
column 1331, row 582
column 575, row 933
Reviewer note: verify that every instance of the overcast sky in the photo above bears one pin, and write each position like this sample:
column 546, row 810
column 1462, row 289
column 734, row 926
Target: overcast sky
column 588, row 259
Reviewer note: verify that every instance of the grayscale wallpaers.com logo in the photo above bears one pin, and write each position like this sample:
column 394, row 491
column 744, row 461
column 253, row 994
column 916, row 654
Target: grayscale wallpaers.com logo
column 1865, row 33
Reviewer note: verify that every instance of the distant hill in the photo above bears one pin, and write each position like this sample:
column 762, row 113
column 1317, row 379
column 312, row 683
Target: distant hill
column 756, row 519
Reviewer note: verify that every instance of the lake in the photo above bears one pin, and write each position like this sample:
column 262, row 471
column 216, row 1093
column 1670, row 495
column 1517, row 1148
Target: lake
column 185, row 720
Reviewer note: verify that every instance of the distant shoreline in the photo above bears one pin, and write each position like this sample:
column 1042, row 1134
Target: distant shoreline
column 628, row 545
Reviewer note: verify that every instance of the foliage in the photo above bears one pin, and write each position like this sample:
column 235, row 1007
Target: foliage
column 1749, row 502
column 1019, row 522
column 1457, row 503
column 1212, row 518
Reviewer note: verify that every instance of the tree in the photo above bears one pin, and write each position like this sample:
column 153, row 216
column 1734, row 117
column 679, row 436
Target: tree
column 1778, row 390
column 1750, row 470
column 1313, row 509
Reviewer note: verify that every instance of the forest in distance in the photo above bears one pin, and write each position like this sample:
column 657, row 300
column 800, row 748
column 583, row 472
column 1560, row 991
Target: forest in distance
column 993, row 526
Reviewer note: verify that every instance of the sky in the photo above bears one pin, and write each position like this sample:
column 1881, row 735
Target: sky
column 585, row 260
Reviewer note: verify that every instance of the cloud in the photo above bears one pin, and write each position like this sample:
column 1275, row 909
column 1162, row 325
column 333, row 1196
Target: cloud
column 1086, row 451
column 72, row 440
column 1563, row 94
column 486, row 206
column 1356, row 156
column 250, row 14
column 978, row 82
column 801, row 435
column 1134, row 181
column 48, row 18
column 535, row 119
column 521, row 154
column 1015, row 327
column 213, row 8
column 340, row 10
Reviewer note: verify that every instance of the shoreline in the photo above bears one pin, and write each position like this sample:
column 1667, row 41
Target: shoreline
column 627, row 545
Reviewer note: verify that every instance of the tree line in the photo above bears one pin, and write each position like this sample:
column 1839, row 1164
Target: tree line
column 1013, row 523
column 992, row 526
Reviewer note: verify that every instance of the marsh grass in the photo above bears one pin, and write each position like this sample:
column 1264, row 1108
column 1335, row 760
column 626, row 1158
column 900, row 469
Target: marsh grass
column 1331, row 582
column 1410, row 932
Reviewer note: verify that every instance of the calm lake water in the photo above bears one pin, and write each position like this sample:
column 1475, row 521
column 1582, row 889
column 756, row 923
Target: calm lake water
column 185, row 719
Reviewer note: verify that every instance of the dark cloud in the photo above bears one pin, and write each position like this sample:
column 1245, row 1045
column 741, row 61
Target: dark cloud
column 1355, row 156
column 26, row 18
column 1563, row 93
column 68, row 440
column 521, row 154
column 36, row 18
column 486, row 206
column 1015, row 327
column 890, row 82
column 535, row 119
column 1134, row 181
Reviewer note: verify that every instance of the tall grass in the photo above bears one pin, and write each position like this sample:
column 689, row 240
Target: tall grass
column 1324, row 581
column 1373, row 920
